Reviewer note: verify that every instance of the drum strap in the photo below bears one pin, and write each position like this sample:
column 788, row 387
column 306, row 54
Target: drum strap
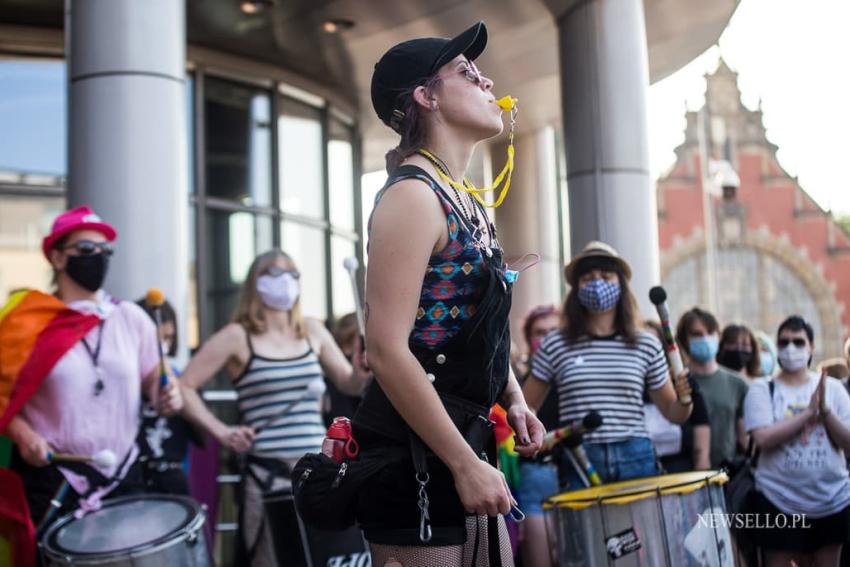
column 274, row 468
column 94, row 477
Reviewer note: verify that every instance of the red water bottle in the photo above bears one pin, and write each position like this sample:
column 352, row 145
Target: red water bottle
column 339, row 443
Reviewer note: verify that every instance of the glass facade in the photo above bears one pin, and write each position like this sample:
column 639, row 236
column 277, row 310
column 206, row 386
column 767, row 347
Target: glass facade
column 266, row 170
column 33, row 112
column 33, row 141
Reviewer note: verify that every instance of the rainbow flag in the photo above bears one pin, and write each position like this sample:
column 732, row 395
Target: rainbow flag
column 505, row 443
column 36, row 330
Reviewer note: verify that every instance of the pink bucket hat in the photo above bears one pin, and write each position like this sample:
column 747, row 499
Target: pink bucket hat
column 80, row 218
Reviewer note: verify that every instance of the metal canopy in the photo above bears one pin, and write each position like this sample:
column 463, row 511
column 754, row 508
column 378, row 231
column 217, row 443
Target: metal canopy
column 522, row 56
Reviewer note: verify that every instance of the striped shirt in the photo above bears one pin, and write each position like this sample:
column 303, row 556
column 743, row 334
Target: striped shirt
column 265, row 389
column 603, row 374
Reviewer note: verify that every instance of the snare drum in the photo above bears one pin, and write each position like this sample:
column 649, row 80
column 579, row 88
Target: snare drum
column 672, row 520
column 299, row 545
column 139, row 531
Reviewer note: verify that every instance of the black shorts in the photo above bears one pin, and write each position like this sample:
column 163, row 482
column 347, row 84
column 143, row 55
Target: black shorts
column 805, row 537
column 388, row 504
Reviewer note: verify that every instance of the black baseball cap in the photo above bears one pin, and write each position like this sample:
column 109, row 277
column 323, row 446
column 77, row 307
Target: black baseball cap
column 411, row 62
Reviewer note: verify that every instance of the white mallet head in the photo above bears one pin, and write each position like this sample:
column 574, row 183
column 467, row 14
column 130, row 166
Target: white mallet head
column 351, row 264
column 104, row 459
column 316, row 388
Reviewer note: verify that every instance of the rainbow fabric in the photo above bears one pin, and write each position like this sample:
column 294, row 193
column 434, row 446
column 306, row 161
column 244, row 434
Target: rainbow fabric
column 36, row 330
column 505, row 443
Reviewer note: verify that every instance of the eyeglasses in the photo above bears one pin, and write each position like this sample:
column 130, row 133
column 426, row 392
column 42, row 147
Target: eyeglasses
column 471, row 73
column 275, row 271
column 782, row 343
column 86, row 247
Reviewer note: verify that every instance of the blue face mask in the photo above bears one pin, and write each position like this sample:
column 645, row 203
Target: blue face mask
column 599, row 295
column 703, row 349
column 768, row 364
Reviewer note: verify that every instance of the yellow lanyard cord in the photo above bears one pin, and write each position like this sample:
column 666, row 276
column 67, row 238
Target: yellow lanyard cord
column 506, row 103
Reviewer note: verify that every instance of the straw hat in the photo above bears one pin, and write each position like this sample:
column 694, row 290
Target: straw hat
column 596, row 249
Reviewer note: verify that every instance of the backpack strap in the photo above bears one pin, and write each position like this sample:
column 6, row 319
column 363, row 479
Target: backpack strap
column 752, row 452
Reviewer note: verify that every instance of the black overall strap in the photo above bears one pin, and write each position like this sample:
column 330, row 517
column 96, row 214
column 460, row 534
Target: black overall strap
column 420, row 465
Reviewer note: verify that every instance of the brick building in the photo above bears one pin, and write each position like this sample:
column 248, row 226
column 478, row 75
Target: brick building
column 775, row 250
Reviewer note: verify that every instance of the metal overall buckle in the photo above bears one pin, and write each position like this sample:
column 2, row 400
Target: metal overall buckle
column 424, row 515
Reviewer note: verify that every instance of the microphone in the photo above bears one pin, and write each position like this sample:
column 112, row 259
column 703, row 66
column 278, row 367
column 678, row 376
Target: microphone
column 574, row 445
column 154, row 298
column 658, row 297
column 577, row 428
column 351, row 264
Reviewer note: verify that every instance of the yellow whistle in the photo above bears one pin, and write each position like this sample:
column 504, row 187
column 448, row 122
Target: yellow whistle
column 506, row 103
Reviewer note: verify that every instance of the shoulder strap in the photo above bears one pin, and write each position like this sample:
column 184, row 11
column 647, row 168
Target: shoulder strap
column 752, row 452
column 416, row 172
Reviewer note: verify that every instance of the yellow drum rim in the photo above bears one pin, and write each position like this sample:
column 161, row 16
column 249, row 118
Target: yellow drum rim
column 638, row 489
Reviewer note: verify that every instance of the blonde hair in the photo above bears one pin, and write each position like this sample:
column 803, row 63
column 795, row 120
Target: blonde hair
column 250, row 313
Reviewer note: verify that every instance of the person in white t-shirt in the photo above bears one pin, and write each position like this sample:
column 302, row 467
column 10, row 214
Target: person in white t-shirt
column 801, row 429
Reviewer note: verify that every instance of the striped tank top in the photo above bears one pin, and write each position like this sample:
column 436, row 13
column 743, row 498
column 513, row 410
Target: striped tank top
column 266, row 388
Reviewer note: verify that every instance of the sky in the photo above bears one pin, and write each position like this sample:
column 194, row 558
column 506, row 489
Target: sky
column 794, row 56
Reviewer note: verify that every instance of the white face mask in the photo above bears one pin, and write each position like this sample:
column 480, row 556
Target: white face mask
column 278, row 292
column 793, row 358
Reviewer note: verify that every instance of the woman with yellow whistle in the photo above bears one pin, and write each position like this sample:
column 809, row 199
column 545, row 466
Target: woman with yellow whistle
column 437, row 303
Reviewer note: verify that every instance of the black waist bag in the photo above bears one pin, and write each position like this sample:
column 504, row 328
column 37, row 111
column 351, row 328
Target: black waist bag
column 326, row 492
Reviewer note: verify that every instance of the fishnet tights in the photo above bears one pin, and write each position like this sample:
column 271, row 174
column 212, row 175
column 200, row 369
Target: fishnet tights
column 447, row 556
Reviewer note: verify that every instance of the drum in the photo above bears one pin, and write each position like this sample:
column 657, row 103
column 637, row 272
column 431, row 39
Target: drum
column 138, row 531
column 299, row 545
column 675, row 520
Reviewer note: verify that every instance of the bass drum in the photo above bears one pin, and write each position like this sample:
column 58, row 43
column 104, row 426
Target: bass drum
column 672, row 520
column 133, row 531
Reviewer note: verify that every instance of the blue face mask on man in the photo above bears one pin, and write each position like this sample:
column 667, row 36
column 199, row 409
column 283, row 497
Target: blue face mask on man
column 703, row 349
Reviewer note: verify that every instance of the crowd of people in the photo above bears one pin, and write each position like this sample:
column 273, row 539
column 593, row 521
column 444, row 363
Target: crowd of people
column 437, row 306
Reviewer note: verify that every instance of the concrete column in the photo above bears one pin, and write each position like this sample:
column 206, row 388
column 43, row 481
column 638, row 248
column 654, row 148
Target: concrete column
column 604, row 80
column 127, row 147
column 528, row 222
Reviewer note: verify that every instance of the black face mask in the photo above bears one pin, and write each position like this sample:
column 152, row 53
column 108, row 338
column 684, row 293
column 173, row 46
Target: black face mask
column 87, row 270
column 735, row 359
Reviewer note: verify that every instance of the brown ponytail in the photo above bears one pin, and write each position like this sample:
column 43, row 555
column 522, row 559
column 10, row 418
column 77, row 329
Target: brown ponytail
column 412, row 126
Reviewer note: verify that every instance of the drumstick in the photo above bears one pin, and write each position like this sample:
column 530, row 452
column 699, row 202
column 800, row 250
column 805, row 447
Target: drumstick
column 351, row 264
column 579, row 471
column 658, row 297
column 592, row 420
column 102, row 459
column 315, row 389
column 55, row 504
column 155, row 298
column 577, row 453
